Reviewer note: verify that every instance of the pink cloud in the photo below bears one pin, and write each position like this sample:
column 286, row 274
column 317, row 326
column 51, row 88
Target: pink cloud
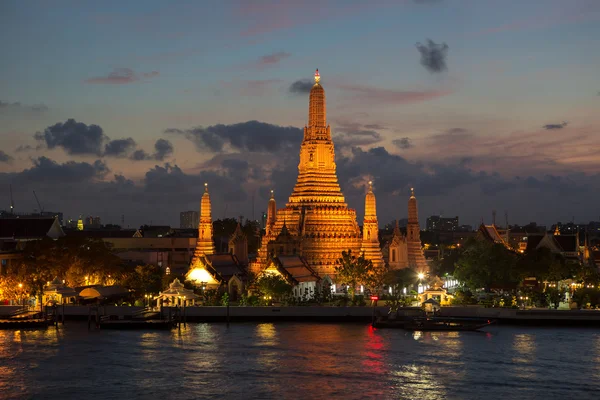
column 273, row 58
column 121, row 76
column 273, row 15
column 392, row 96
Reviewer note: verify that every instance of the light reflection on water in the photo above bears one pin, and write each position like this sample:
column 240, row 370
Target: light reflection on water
column 295, row 360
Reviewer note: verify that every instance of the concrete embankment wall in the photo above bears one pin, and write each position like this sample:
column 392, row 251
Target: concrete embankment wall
column 504, row 316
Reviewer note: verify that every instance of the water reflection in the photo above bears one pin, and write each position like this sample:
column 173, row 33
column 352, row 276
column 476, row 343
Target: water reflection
column 524, row 346
column 295, row 360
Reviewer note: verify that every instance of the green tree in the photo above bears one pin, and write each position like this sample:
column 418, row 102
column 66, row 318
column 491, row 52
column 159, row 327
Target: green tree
column 484, row 264
column 145, row 279
column 446, row 265
column 273, row 286
column 555, row 296
column 353, row 271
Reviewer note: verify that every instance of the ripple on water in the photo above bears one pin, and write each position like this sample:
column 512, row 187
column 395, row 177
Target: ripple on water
column 294, row 360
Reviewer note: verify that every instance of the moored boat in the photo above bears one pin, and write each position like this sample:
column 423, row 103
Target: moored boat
column 446, row 324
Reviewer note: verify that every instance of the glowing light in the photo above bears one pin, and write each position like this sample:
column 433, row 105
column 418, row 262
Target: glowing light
column 421, row 275
column 317, row 76
column 199, row 275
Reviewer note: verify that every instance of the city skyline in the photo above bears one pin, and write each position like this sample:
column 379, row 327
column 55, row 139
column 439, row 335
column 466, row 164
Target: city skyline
column 476, row 105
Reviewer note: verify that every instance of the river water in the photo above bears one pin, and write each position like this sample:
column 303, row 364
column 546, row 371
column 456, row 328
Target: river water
column 299, row 361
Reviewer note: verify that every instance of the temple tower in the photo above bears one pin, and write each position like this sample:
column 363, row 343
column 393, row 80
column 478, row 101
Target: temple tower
column 238, row 245
column 416, row 259
column 319, row 224
column 370, row 240
column 271, row 214
column 205, row 244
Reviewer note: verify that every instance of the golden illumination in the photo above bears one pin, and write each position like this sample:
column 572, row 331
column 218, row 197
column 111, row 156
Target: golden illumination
column 316, row 223
column 198, row 275
column 421, row 276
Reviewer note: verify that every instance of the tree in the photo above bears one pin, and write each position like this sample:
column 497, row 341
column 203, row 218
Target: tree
column 273, row 286
column 446, row 265
column 353, row 271
column 484, row 264
column 9, row 288
column 145, row 279
column 555, row 296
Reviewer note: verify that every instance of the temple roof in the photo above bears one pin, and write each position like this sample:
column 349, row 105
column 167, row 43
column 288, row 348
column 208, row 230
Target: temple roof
column 295, row 269
column 30, row 228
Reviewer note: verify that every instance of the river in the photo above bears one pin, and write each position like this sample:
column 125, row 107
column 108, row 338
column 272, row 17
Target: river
column 299, row 361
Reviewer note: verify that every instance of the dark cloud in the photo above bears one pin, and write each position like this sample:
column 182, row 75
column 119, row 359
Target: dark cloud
column 23, row 148
column 19, row 107
column 74, row 137
column 355, row 134
column 433, row 56
column 374, row 126
column 5, row 158
column 301, row 86
column 251, row 136
column 163, row 148
column 119, row 147
column 273, row 58
column 47, row 170
column 403, row 143
column 122, row 76
column 555, row 126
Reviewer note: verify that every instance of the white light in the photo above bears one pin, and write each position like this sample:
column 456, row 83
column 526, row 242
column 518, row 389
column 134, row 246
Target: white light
column 390, row 290
column 362, row 289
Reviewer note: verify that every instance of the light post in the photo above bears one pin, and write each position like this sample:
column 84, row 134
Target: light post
column 21, row 295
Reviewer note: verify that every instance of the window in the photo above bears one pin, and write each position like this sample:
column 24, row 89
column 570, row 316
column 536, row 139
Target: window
column 393, row 255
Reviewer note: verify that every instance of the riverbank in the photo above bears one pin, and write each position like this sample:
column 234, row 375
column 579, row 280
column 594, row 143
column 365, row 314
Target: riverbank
column 504, row 316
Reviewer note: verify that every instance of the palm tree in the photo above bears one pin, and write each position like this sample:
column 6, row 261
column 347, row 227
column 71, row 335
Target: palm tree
column 353, row 271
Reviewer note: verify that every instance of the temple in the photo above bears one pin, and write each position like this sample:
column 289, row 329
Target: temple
column 406, row 251
column 316, row 222
column 370, row 240
column 416, row 258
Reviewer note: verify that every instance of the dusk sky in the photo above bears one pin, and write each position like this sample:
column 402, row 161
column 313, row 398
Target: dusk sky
column 126, row 108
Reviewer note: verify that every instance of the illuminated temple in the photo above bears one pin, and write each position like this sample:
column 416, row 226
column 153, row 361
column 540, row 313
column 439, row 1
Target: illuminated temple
column 316, row 222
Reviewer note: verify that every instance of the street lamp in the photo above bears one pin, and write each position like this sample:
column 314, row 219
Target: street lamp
column 421, row 276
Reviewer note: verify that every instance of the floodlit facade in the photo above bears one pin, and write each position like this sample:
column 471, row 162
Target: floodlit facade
column 316, row 222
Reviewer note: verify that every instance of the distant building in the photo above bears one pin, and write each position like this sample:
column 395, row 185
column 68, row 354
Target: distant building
column 437, row 223
column 92, row 223
column 188, row 220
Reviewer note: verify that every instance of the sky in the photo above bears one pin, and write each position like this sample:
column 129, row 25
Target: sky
column 124, row 109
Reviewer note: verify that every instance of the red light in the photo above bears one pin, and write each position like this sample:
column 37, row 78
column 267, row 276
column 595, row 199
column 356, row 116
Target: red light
column 374, row 297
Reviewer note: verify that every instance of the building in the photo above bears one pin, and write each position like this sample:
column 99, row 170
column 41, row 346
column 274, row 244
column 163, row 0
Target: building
column 437, row 223
column 370, row 243
column 92, row 223
column 188, row 219
column 316, row 223
column 416, row 258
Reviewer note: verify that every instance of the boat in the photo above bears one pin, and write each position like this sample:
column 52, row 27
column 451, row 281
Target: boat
column 445, row 324
column 425, row 323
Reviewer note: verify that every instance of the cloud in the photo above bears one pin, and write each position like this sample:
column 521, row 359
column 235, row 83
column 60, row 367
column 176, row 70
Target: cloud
column 433, row 56
column 301, row 86
column 355, row 134
column 391, row 96
column 274, row 58
column 74, row 137
column 49, row 171
column 122, row 76
column 163, row 148
column 5, row 158
column 23, row 148
column 403, row 143
column 119, row 147
column 19, row 107
column 555, row 126
column 251, row 136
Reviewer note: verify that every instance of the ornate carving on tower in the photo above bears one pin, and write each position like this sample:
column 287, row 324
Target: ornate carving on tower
column 416, row 259
column 271, row 214
column 370, row 240
column 205, row 244
column 318, row 223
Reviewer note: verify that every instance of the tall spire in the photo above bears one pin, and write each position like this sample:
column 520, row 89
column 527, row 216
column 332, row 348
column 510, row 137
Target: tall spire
column 416, row 258
column 370, row 240
column 271, row 213
column 316, row 112
column 205, row 244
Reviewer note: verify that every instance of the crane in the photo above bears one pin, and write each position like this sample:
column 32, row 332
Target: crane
column 12, row 204
column 38, row 202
